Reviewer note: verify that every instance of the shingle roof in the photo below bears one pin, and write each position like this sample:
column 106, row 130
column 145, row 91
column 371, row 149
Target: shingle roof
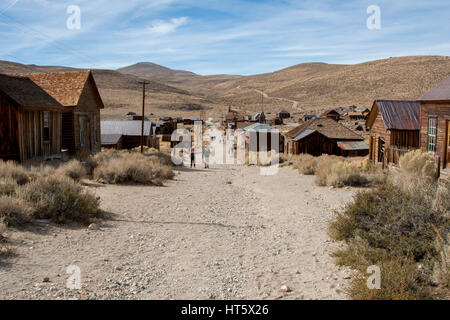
column 327, row 127
column 399, row 114
column 125, row 127
column 110, row 139
column 26, row 93
column 65, row 87
column 441, row 92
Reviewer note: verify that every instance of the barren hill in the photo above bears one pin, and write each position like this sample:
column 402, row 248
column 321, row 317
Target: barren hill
column 309, row 87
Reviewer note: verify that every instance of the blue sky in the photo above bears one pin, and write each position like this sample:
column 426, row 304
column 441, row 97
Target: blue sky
column 219, row 36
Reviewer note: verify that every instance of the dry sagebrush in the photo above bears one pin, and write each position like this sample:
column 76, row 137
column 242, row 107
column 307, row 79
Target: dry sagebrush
column 131, row 167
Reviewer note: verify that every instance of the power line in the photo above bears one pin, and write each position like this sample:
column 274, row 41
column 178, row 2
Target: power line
column 45, row 38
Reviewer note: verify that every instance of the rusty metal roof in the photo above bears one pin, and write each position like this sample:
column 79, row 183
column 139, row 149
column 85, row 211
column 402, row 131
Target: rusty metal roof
column 353, row 145
column 441, row 92
column 125, row 127
column 399, row 114
column 26, row 93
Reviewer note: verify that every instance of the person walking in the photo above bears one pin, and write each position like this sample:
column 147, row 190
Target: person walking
column 192, row 157
column 206, row 154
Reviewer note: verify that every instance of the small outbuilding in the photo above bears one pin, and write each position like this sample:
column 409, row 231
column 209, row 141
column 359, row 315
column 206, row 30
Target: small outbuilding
column 394, row 129
column 325, row 136
column 332, row 114
column 129, row 132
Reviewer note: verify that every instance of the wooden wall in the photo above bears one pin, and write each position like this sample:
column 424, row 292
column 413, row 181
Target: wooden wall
column 441, row 111
column 87, row 112
column 378, row 131
column 31, row 132
column 9, row 146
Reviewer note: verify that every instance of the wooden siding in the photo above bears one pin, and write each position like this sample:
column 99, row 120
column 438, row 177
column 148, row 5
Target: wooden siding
column 377, row 132
column 31, row 132
column 87, row 112
column 440, row 111
column 9, row 146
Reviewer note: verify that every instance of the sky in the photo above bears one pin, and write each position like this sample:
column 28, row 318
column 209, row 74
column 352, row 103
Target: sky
column 219, row 36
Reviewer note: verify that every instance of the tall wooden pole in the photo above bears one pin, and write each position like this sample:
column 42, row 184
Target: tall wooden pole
column 143, row 114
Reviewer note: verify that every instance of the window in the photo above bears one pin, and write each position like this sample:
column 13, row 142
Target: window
column 432, row 131
column 46, row 127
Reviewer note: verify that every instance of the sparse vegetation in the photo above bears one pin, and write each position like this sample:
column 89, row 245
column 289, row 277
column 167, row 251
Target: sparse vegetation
column 403, row 229
column 72, row 169
column 11, row 171
column 60, row 199
column 119, row 167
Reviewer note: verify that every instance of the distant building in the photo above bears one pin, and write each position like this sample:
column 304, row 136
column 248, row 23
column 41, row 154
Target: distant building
column 435, row 122
column 332, row 114
column 325, row 136
column 283, row 114
column 127, row 132
column 308, row 117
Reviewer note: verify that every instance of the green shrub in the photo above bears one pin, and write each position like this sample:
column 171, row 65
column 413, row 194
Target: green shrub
column 14, row 212
column 60, row 199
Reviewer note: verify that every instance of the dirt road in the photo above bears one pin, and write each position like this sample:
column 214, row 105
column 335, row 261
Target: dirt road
column 224, row 233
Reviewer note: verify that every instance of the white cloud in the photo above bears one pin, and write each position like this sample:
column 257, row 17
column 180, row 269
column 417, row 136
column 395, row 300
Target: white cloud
column 161, row 27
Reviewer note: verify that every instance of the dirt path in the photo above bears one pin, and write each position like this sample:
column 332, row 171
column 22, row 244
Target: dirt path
column 225, row 233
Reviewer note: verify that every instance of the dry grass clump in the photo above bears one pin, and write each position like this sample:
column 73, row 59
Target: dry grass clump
column 7, row 186
column 400, row 231
column 131, row 167
column 60, row 199
column 11, row 170
column 306, row 164
column 340, row 173
column 72, row 169
column 419, row 163
column 14, row 212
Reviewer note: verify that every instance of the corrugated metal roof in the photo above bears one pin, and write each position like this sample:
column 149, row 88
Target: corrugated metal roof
column 26, row 93
column 399, row 114
column 441, row 92
column 125, row 127
column 353, row 145
column 109, row 139
column 258, row 127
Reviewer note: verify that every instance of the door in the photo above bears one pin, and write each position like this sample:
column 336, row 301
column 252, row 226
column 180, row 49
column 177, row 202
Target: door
column 85, row 133
column 448, row 144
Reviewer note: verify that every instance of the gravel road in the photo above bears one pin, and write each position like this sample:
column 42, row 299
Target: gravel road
column 222, row 233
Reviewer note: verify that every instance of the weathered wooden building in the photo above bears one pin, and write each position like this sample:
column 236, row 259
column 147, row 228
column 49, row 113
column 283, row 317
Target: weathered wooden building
column 283, row 114
column 30, row 121
column 394, row 129
column 324, row 136
column 259, row 137
column 435, row 122
column 332, row 114
column 78, row 93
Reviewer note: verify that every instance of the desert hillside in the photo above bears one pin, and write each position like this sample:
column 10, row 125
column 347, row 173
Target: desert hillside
column 302, row 88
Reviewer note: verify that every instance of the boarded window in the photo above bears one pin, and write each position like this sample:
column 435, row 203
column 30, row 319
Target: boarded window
column 432, row 132
column 46, row 127
column 95, row 130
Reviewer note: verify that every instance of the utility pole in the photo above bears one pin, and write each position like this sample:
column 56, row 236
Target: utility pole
column 143, row 114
